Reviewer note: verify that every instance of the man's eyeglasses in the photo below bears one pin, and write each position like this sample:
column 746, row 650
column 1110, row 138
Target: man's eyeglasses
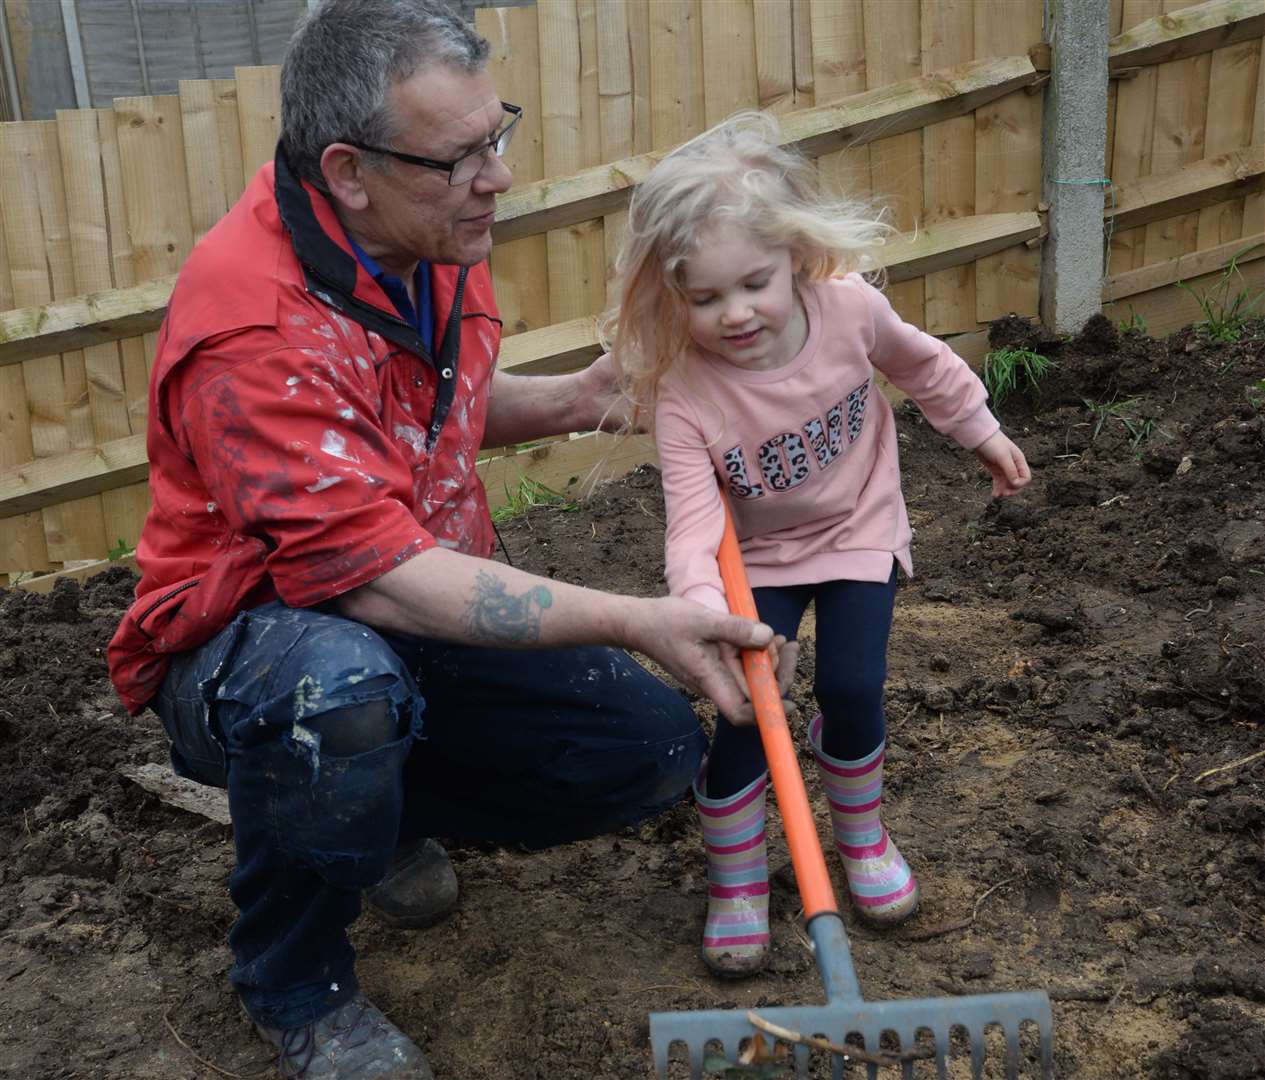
column 467, row 167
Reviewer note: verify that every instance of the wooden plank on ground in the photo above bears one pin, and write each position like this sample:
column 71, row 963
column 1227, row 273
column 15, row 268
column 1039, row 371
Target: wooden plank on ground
column 258, row 115
column 212, row 148
column 823, row 129
column 1232, row 85
column 572, row 141
column 520, row 268
column 1007, row 161
column 948, row 165
column 1134, row 138
column 1186, row 31
column 44, row 582
column 893, row 52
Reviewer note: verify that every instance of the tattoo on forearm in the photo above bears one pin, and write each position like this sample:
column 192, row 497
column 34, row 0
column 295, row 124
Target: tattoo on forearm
column 498, row 618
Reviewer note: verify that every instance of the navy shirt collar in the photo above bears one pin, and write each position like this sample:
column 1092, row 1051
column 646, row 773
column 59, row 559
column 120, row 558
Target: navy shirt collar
column 422, row 318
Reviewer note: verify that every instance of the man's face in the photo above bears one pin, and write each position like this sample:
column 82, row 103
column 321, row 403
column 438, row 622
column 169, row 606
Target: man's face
column 413, row 211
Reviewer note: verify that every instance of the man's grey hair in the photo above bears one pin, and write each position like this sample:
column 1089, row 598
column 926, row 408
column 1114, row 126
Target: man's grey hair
column 346, row 55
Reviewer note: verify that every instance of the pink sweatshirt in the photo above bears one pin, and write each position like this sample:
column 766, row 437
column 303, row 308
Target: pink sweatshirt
column 808, row 449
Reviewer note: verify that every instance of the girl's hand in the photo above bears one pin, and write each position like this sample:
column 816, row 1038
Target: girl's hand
column 1006, row 462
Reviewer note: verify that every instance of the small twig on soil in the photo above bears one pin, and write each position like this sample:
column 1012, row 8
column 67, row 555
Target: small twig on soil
column 1198, row 611
column 1169, row 782
column 641, row 503
column 1113, row 499
column 1232, row 765
column 1136, row 773
column 53, row 711
column 800, row 936
column 961, row 924
column 210, row 1064
column 848, row 1053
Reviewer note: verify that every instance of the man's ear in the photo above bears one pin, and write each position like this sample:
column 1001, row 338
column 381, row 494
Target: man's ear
column 344, row 175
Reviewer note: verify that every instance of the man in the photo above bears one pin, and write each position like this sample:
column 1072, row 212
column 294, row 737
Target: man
column 318, row 623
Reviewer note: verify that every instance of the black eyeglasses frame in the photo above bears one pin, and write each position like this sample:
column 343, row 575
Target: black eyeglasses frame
column 497, row 144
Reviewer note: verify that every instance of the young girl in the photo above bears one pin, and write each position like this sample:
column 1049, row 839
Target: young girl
column 758, row 360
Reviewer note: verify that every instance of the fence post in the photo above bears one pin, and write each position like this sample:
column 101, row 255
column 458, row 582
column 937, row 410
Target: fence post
column 1073, row 150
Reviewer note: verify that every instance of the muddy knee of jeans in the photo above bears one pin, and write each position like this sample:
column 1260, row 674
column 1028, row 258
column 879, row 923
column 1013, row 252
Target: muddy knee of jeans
column 357, row 729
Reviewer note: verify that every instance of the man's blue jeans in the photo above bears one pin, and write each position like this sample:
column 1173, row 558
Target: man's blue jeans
column 532, row 747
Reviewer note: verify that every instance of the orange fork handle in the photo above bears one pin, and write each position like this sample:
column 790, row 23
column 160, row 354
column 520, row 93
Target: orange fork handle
column 788, row 783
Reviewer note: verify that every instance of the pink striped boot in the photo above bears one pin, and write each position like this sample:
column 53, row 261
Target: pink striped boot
column 883, row 889
column 736, row 935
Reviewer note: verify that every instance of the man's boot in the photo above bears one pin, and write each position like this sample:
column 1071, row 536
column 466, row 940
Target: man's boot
column 736, row 935
column 883, row 889
column 419, row 890
column 354, row 1042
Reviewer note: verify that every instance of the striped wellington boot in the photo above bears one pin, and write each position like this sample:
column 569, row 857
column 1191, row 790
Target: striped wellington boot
column 736, row 935
column 883, row 889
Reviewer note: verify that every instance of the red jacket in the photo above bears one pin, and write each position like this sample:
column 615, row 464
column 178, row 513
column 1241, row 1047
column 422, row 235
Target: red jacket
column 302, row 441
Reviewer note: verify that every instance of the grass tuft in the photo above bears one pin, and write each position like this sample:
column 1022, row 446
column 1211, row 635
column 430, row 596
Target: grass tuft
column 1007, row 372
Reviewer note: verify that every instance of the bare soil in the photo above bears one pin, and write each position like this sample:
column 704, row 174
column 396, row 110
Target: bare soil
column 1077, row 771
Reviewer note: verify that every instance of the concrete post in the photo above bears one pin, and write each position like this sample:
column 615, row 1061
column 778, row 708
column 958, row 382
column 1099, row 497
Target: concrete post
column 1073, row 149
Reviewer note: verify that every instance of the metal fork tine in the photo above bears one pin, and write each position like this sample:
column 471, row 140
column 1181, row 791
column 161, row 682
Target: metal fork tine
column 697, row 1053
column 940, row 1036
column 1047, row 1052
column 801, row 1060
column 1012, row 1051
column 977, row 1053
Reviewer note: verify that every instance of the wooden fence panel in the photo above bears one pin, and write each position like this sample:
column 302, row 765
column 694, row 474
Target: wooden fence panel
column 1007, row 161
column 1232, row 87
column 572, row 141
column 730, row 80
column 258, row 116
column 37, row 236
column 1181, row 115
column 520, row 268
column 212, row 148
column 1134, row 136
column 79, row 134
column 676, row 71
column 948, row 165
column 623, row 79
column 838, row 31
column 892, row 48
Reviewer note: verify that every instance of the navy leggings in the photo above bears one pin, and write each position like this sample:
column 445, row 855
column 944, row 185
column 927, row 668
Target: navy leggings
column 854, row 619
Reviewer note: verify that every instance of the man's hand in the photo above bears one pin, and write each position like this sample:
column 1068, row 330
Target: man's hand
column 700, row 648
column 600, row 405
column 1005, row 461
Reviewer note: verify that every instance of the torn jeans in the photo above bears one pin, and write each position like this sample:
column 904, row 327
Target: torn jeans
column 530, row 747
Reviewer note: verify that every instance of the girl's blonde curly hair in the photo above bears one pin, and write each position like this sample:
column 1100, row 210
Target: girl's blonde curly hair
column 735, row 172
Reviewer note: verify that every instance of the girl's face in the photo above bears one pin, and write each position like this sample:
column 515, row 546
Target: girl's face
column 743, row 305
